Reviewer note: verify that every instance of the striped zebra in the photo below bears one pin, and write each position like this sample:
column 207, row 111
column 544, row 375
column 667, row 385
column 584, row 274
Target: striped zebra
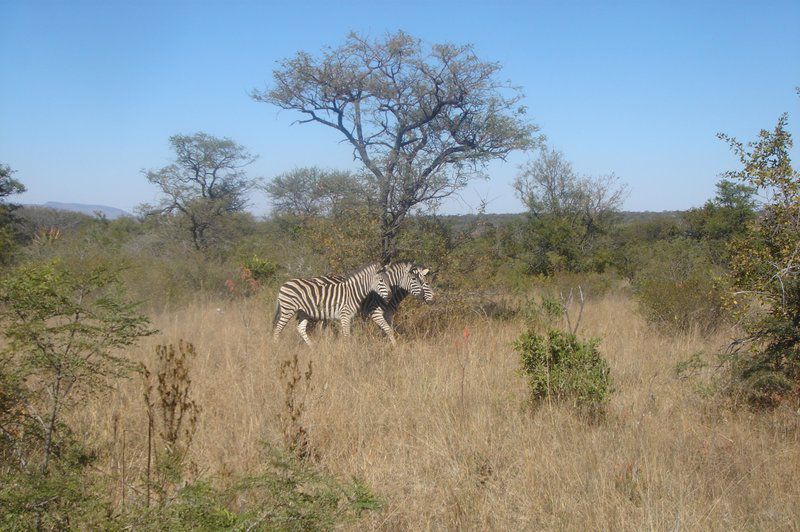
column 405, row 279
column 329, row 298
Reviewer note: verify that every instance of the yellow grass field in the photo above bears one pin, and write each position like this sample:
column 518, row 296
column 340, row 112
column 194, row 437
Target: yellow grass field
column 441, row 432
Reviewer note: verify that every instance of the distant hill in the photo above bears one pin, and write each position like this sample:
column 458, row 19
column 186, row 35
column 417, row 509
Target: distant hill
column 109, row 212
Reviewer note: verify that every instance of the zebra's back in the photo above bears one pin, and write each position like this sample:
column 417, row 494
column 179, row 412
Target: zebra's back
column 317, row 297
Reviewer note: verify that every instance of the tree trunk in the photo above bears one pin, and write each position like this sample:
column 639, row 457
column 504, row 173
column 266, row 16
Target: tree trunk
column 389, row 234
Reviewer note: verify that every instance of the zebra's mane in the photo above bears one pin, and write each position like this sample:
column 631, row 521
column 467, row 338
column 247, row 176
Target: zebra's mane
column 396, row 267
column 399, row 269
column 403, row 263
column 362, row 269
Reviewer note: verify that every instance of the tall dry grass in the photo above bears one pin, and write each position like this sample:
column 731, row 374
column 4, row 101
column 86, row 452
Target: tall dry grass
column 440, row 430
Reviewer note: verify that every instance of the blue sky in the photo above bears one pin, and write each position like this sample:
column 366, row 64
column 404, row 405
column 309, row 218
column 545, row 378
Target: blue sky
column 91, row 91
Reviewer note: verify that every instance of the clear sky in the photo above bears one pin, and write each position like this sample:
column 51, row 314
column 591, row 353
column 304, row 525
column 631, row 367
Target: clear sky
column 92, row 90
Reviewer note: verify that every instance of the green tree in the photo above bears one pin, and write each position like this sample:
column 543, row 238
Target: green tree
column 633, row 240
column 63, row 330
column 204, row 186
column 309, row 192
column 765, row 269
column 8, row 187
column 332, row 210
column 723, row 217
column 569, row 216
column 422, row 120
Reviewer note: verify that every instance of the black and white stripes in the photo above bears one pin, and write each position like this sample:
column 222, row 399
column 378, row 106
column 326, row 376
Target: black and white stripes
column 329, row 298
column 404, row 278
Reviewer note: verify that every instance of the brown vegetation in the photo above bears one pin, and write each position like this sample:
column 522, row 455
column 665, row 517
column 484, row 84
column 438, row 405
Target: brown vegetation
column 440, row 430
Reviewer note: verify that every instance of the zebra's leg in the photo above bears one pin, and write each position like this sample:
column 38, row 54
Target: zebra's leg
column 282, row 321
column 385, row 326
column 301, row 328
column 347, row 323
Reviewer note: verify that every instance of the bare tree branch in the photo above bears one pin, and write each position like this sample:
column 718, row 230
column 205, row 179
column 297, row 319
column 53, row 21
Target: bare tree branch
column 422, row 120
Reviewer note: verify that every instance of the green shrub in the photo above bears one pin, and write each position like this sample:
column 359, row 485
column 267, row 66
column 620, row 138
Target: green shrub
column 261, row 270
column 293, row 495
column 60, row 500
column 757, row 382
column 678, row 286
column 63, row 330
column 561, row 367
column 543, row 315
column 196, row 506
column 765, row 277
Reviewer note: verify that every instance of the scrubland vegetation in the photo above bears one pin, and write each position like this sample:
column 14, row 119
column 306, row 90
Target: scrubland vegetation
column 576, row 370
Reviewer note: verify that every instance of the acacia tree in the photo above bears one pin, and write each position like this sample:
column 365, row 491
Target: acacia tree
column 765, row 269
column 567, row 213
column 722, row 218
column 423, row 120
column 204, row 184
column 309, row 192
column 333, row 210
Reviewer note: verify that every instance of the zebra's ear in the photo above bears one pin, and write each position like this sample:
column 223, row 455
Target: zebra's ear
column 424, row 272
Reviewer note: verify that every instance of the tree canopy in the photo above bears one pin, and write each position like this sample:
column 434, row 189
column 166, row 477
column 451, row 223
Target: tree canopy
column 765, row 267
column 724, row 216
column 567, row 213
column 423, row 120
column 8, row 185
column 312, row 191
column 206, row 182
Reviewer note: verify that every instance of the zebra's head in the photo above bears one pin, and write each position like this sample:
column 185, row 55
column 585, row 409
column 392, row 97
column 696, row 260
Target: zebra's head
column 418, row 285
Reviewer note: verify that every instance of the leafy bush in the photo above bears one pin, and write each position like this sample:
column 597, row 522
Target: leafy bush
column 8, row 232
column 722, row 218
column 632, row 236
column 289, row 494
column 63, row 330
column 293, row 495
column 196, row 506
column 347, row 239
column 678, row 287
column 261, row 270
column 563, row 368
column 60, row 500
column 569, row 216
column 251, row 276
column 765, row 274
column 690, row 367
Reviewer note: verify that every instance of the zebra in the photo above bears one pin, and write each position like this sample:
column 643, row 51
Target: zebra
column 329, row 297
column 404, row 278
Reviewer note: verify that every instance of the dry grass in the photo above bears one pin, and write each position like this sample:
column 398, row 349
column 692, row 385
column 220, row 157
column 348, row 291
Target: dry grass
column 665, row 457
